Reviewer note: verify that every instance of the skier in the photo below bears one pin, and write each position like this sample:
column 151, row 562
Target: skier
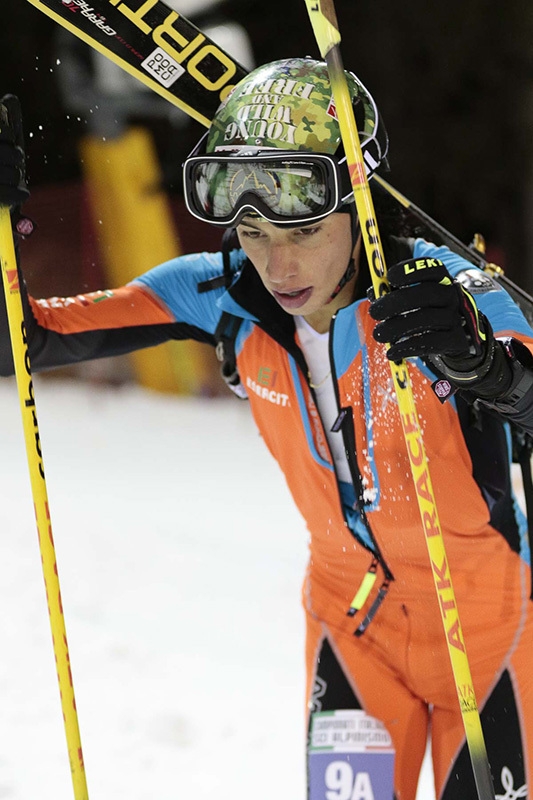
column 288, row 301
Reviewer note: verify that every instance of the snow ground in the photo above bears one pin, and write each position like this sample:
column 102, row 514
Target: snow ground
column 182, row 608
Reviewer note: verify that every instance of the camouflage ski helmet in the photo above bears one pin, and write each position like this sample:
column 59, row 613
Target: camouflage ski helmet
column 288, row 105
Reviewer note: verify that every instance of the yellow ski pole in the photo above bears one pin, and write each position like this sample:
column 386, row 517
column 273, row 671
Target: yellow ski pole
column 24, row 381
column 326, row 29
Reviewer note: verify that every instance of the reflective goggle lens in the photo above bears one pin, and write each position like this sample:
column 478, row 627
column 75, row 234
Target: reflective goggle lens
column 221, row 190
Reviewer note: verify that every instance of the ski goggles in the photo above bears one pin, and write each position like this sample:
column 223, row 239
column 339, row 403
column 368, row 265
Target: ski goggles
column 283, row 187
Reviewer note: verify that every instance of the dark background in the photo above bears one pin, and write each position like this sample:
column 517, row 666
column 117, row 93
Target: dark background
column 453, row 81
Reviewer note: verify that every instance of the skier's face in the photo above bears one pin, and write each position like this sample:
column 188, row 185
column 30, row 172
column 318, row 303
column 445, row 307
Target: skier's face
column 301, row 267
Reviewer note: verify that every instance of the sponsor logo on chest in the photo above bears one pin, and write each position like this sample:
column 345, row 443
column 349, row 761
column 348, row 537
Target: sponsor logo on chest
column 264, row 386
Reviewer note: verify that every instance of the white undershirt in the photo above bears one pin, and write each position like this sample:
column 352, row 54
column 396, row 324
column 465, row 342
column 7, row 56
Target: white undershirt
column 315, row 347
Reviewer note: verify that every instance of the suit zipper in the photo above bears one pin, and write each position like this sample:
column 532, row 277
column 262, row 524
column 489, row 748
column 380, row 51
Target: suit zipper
column 345, row 424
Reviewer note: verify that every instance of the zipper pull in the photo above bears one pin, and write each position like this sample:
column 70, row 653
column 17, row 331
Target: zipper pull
column 364, row 590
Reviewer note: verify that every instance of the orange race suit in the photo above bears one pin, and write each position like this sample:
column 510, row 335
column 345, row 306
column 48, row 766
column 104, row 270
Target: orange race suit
column 389, row 659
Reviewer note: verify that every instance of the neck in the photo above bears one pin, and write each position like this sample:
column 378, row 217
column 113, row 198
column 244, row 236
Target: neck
column 320, row 320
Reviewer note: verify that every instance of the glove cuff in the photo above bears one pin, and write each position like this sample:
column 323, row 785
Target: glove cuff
column 515, row 402
column 469, row 371
column 497, row 379
column 515, row 365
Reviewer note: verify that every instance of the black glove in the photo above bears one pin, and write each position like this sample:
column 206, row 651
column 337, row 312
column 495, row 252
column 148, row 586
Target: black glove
column 13, row 188
column 428, row 314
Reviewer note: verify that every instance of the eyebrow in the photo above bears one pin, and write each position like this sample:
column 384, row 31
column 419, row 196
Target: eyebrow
column 250, row 225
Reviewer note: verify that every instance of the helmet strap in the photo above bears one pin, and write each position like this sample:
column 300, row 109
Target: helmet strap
column 351, row 269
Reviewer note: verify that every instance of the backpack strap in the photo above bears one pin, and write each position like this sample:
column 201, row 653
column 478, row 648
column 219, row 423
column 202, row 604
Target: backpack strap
column 225, row 335
column 228, row 324
column 228, row 241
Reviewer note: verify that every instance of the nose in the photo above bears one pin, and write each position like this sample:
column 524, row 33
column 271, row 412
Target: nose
column 282, row 265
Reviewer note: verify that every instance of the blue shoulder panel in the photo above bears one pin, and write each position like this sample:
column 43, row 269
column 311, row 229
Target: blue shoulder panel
column 176, row 283
column 491, row 297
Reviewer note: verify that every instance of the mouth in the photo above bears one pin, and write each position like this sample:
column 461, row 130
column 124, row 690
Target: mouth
column 294, row 299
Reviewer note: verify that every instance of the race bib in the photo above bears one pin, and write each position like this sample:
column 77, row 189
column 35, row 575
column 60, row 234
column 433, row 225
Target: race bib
column 351, row 757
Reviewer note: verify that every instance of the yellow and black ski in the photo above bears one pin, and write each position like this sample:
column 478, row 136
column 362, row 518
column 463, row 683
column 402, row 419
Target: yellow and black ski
column 155, row 44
